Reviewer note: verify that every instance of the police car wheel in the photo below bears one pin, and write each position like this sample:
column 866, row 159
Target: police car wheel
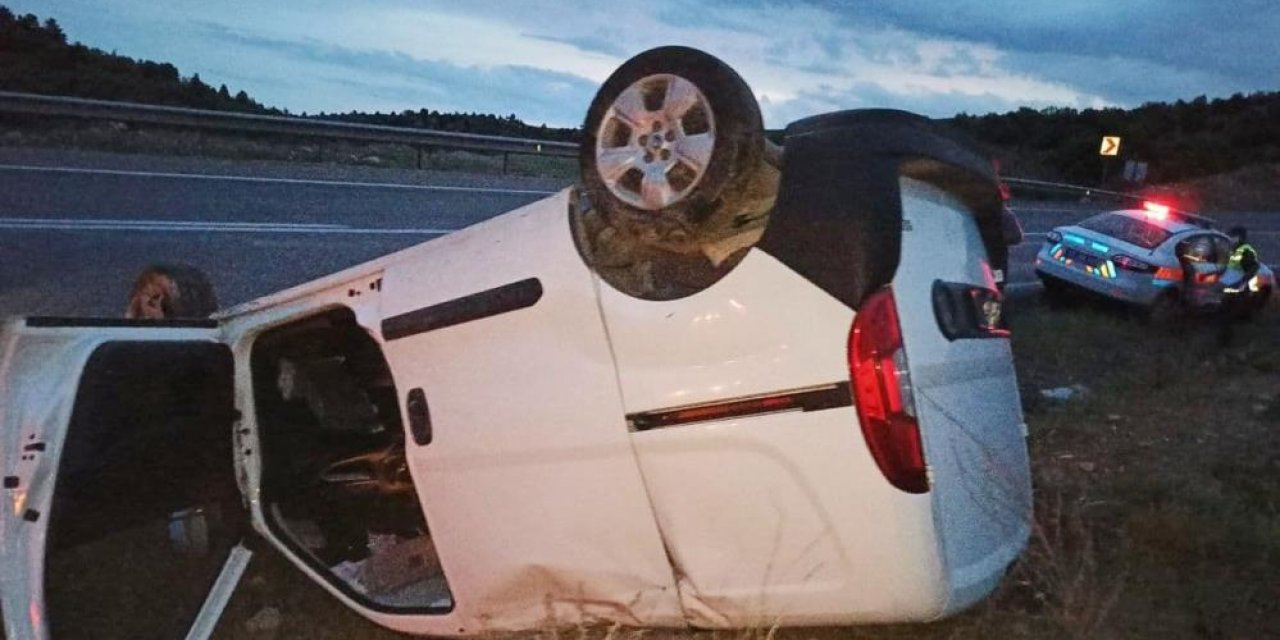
column 1258, row 303
column 669, row 140
column 1165, row 310
column 1056, row 292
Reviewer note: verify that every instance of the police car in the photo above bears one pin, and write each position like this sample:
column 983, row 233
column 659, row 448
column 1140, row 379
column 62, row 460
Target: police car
column 1158, row 259
column 718, row 384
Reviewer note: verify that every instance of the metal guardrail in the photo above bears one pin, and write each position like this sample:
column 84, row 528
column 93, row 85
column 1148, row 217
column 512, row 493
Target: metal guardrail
column 1068, row 188
column 12, row 102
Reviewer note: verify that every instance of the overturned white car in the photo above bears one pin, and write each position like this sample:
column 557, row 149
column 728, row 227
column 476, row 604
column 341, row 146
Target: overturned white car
column 720, row 384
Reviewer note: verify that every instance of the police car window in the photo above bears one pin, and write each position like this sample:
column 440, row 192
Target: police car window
column 1131, row 230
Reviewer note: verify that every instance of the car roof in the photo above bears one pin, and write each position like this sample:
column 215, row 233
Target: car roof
column 1175, row 223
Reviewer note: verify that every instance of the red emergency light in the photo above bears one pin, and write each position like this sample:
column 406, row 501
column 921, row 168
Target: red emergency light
column 1156, row 210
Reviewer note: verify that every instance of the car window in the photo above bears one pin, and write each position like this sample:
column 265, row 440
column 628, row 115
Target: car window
column 147, row 507
column 1204, row 247
column 1131, row 230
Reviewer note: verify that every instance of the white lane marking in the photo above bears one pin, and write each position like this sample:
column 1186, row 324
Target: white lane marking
column 49, row 222
column 259, row 179
column 173, row 226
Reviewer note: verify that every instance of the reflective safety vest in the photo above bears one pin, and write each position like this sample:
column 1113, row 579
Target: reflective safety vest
column 1237, row 256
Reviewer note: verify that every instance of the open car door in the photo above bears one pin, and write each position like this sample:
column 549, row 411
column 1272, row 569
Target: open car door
column 121, row 511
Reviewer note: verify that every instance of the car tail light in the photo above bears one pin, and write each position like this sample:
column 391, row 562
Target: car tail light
column 1173, row 274
column 882, row 391
column 1053, row 237
column 1130, row 264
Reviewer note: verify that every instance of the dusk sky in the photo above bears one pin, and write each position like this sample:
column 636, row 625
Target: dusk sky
column 542, row 60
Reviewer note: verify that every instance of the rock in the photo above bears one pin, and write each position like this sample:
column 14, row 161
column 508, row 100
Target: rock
column 264, row 621
column 1087, row 467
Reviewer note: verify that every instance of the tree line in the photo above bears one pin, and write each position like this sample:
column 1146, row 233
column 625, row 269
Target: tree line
column 1179, row 141
column 36, row 57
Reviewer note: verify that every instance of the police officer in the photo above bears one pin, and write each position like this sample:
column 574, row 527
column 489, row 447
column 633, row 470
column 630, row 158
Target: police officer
column 1243, row 264
column 1244, row 258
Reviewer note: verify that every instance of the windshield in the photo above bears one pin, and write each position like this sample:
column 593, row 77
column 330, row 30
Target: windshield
column 1131, row 230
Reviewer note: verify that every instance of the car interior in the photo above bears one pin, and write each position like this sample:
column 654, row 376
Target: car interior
column 146, row 508
column 336, row 486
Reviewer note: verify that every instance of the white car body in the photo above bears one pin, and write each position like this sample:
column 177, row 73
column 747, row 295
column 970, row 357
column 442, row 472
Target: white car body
column 549, row 501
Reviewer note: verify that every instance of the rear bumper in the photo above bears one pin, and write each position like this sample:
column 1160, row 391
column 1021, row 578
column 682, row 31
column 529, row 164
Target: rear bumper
column 969, row 585
column 1127, row 286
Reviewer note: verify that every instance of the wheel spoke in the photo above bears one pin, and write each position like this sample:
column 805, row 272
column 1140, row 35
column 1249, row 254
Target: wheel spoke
column 614, row 163
column 629, row 106
column 655, row 191
column 680, row 97
column 696, row 150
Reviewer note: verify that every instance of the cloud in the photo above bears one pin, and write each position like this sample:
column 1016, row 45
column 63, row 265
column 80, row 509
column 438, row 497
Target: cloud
column 542, row 59
column 393, row 80
column 1233, row 42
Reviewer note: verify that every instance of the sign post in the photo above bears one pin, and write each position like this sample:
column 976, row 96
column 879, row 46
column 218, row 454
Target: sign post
column 1110, row 148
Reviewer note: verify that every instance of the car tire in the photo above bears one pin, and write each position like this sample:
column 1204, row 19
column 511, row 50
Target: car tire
column 1057, row 294
column 1166, row 310
column 171, row 291
column 1260, row 303
column 671, row 142
column 1251, row 307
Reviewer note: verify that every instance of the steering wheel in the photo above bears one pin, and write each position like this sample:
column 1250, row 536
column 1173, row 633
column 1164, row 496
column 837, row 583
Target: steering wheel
column 384, row 472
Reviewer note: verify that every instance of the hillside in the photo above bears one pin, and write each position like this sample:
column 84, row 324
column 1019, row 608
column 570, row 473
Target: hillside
column 1180, row 141
column 37, row 57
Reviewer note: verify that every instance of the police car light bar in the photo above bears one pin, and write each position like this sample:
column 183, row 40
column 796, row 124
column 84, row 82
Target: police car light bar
column 1156, row 210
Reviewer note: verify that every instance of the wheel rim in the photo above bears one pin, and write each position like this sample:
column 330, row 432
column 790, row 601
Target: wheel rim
column 654, row 143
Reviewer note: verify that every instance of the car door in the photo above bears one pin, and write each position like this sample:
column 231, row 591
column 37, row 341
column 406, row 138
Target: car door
column 1204, row 258
column 121, row 512
column 963, row 386
column 519, row 442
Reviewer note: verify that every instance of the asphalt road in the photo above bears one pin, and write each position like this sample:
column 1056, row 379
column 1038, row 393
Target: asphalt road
column 76, row 228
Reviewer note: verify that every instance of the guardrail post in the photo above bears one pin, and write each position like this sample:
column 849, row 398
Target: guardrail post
column 419, row 149
column 504, row 161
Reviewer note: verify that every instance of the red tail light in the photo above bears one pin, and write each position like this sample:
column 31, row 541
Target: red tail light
column 882, row 390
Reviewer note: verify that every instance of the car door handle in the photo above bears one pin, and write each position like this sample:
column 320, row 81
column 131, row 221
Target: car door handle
column 419, row 417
